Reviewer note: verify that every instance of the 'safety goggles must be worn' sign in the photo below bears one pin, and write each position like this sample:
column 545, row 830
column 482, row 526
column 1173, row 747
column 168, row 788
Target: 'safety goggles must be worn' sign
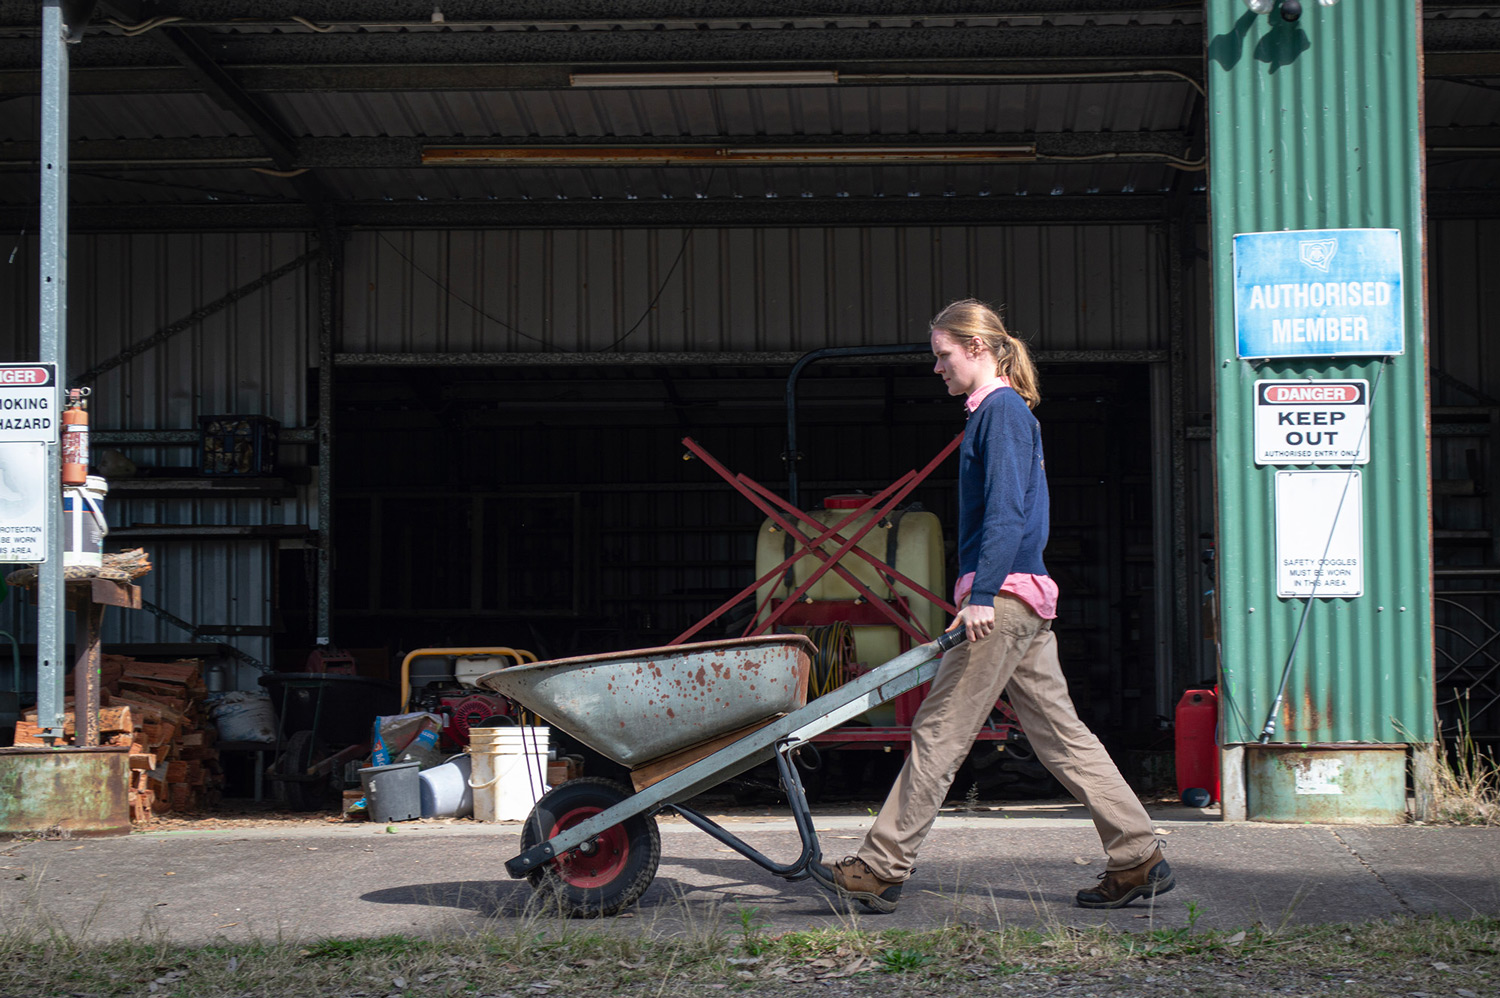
column 1312, row 422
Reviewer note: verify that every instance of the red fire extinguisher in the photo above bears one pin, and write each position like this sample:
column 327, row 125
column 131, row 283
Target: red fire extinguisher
column 1197, row 747
column 75, row 438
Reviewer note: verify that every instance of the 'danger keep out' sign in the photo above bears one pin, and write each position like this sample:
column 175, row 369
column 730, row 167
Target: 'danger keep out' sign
column 1312, row 422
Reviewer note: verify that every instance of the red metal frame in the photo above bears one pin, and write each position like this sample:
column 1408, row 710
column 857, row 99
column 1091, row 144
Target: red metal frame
column 881, row 504
column 868, row 609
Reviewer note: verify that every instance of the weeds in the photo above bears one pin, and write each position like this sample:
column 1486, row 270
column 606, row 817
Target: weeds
column 752, row 930
column 903, row 961
column 1467, row 778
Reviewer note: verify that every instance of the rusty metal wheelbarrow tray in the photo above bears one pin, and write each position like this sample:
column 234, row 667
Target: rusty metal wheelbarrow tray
column 774, row 740
column 638, row 706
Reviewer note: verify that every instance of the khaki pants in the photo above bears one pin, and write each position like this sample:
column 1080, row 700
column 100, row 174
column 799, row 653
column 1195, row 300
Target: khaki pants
column 1019, row 655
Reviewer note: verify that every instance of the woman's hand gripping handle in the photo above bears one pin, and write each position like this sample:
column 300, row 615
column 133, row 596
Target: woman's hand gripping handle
column 977, row 621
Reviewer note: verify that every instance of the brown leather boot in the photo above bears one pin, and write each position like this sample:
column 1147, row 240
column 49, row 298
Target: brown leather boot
column 1118, row 888
column 850, row 879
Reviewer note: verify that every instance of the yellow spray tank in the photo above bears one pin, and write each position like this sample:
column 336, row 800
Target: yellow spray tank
column 909, row 541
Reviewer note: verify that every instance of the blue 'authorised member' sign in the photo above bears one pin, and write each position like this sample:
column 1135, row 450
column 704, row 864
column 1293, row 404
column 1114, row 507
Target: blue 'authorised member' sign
column 1318, row 293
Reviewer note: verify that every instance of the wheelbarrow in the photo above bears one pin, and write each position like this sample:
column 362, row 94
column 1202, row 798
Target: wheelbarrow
column 683, row 719
column 323, row 721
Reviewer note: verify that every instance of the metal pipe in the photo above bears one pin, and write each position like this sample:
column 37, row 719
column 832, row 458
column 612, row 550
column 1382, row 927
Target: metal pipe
column 1174, row 600
column 326, row 265
column 53, row 349
column 698, row 358
column 791, row 457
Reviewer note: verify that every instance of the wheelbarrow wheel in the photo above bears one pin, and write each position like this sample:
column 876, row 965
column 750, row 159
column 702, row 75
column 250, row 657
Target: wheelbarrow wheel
column 600, row 877
column 303, row 750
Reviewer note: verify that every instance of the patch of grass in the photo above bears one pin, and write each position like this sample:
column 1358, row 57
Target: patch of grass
column 350, row 949
column 539, row 957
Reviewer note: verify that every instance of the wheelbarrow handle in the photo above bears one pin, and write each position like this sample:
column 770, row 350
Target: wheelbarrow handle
column 949, row 640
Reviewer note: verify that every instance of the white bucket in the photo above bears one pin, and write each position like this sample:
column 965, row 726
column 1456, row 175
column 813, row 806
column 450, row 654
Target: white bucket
column 84, row 528
column 445, row 789
column 509, row 771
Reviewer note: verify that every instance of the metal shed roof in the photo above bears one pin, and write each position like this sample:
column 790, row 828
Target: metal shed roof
column 280, row 113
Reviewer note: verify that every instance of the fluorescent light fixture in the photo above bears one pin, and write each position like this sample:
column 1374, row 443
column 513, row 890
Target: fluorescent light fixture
column 725, row 78
column 718, row 156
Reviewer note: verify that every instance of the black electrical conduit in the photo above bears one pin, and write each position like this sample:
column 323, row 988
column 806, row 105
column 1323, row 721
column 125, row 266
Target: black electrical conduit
column 791, row 457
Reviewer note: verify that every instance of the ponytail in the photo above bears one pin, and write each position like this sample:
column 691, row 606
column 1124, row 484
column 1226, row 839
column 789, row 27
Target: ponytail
column 969, row 318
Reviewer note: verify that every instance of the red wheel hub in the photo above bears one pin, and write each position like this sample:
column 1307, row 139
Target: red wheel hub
column 596, row 862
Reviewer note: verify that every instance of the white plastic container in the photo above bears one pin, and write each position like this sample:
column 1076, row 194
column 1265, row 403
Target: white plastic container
column 84, row 528
column 445, row 789
column 509, row 773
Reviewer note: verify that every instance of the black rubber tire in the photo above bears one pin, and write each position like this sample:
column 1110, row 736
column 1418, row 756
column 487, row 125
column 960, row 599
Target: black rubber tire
column 622, row 861
column 1014, row 774
column 302, row 750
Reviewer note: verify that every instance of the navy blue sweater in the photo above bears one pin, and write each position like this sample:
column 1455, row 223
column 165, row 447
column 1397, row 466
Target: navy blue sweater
column 1002, row 495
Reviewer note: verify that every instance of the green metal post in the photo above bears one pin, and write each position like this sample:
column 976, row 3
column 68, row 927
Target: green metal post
column 1316, row 124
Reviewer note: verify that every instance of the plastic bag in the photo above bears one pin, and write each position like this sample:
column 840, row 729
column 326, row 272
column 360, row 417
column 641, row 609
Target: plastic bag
column 395, row 734
column 244, row 717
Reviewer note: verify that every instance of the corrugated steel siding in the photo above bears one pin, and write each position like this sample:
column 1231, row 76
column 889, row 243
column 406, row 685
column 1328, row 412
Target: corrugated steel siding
column 252, row 357
column 1065, row 287
column 1317, row 126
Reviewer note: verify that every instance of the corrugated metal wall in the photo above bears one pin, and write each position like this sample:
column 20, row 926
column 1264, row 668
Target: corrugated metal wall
column 1317, row 125
column 251, row 357
column 1066, row 287
column 775, row 290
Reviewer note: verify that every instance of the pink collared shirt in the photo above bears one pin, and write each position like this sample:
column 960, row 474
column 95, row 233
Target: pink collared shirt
column 1037, row 591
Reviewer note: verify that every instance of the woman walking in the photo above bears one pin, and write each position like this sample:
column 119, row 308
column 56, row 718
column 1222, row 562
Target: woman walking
column 1006, row 606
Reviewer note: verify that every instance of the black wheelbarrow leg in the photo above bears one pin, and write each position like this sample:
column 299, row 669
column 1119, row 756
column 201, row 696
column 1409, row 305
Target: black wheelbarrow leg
column 796, row 797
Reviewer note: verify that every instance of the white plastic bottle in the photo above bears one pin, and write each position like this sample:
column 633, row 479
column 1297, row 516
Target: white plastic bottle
column 423, row 750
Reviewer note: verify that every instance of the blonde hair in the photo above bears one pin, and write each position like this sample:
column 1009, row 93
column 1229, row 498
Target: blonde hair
column 969, row 318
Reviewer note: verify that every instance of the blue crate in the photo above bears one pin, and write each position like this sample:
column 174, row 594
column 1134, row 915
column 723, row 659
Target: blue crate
column 237, row 445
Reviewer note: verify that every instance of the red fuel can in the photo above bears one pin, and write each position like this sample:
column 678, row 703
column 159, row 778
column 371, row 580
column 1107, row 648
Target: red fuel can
column 1197, row 747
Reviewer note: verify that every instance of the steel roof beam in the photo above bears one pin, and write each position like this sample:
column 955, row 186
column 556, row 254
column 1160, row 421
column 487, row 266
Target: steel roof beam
column 21, row 15
column 214, row 81
column 713, row 49
column 417, row 12
column 826, row 212
column 305, row 61
column 387, row 153
column 479, row 60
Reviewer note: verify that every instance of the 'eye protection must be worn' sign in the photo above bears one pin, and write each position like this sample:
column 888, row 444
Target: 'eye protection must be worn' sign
column 1312, row 422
